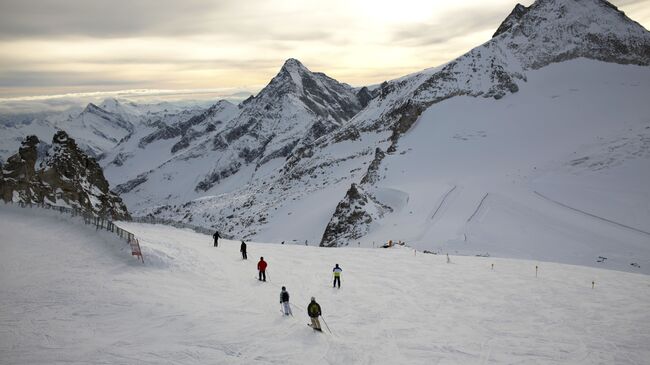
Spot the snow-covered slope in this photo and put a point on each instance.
(162, 137)
(589, 149)
(70, 294)
(12, 134)
(96, 129)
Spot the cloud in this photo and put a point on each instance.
(115, 18)
(63, 46)
(11, 78)
(628, 2)
(449, 25)
(256, 19)
(75, 102)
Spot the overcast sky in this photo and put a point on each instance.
(50, 47)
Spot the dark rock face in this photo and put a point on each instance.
(216, 176)
(184, 129)
(372, 174)
(364, 95)
(18, 172)
(62, 175)
(516, 14)
(352, 217)
(131, 184)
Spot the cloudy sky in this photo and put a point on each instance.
(51, 47)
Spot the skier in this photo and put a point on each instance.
(313, 310)
(337, 276)
(243, 250)
(284, 301)
(216, 238)
(261, 266)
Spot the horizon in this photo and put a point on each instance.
(120, 56)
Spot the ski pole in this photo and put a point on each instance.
(328, 327)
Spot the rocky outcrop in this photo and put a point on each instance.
(372, 174)
(512, 19)
(61, 175)
(364, 95)
(352, 217)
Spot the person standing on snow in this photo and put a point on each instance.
(261, 267)
(337, 275)
(216, 238)
(284, 300)
(313, 310)
(242, 249)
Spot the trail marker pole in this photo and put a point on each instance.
(448, 259)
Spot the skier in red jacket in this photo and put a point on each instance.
(261, 266)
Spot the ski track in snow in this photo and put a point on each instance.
(70, 294)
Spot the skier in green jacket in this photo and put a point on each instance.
(313, 309)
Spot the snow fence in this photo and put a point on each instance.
(103, 223)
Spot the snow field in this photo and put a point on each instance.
(71, 294)
(576, 132)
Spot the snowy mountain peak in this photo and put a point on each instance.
(551, 31)
(293, 64)
(110, 104)
(92, 108)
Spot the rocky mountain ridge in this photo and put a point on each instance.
(296, 108)
(59, 174)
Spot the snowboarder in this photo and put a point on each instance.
(216, 238)
(337, 276)
(284, 301)
(242, 249)
(313, 310)
(261, 266)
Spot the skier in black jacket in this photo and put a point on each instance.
(284, 301)
(216, 238)
(242, 249)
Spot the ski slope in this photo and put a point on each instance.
(69, 294)
(559, 171)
